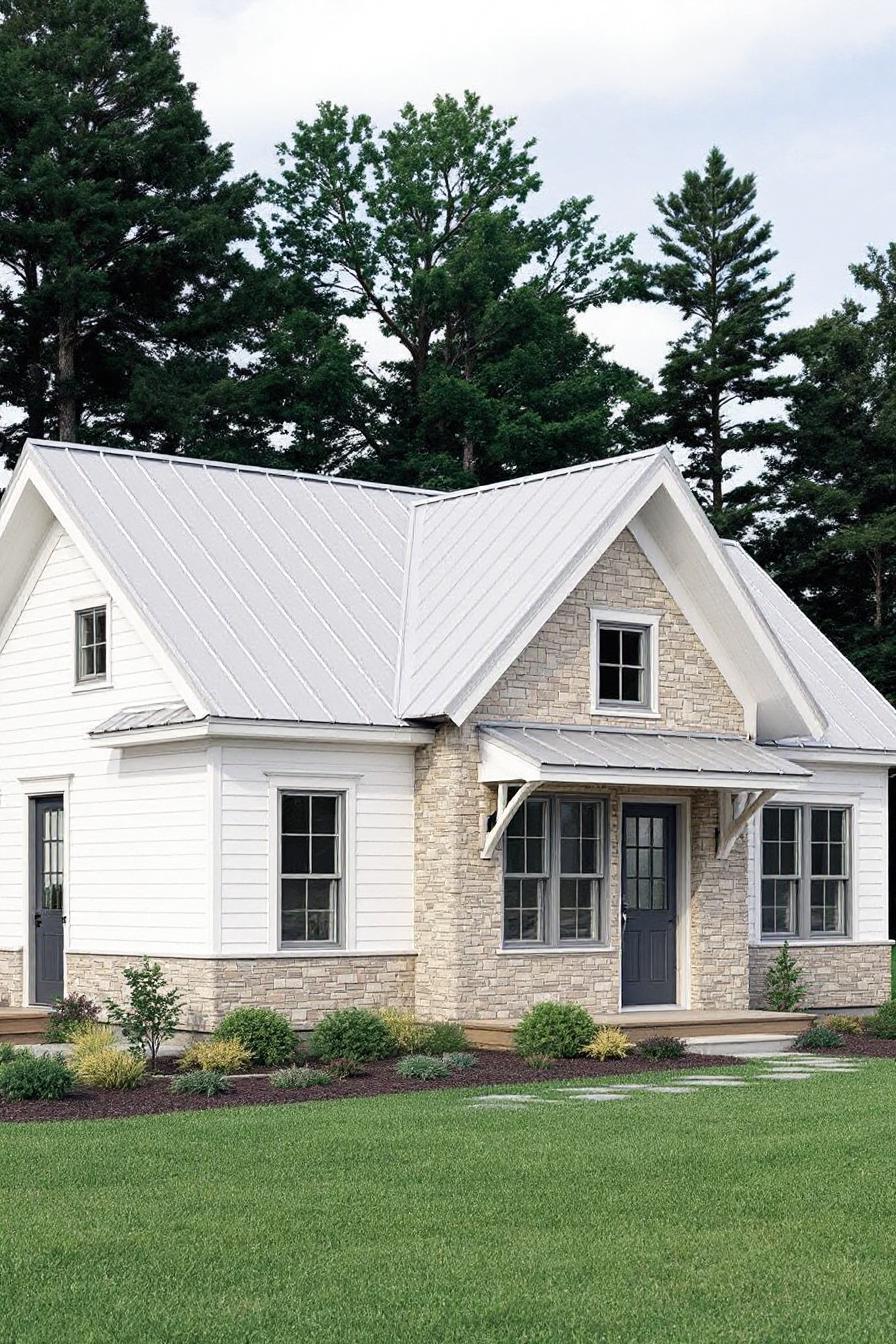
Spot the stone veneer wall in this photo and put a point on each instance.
(458, 908)
(304, 988)
(854, 975)
(10, 979)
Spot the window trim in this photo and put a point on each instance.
(549, 912)
(648, 622)
(803, 933)
(97, 680)
(307, 782)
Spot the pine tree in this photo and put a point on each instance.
(420, 227)
(118, 217)
(784, 985)
(716, 272)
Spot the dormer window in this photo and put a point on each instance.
(624, 658)
(91, 649)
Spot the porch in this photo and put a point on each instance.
(700, 1027)
(23, 1026)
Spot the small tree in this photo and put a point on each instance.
(784, 987)
(152, 1013)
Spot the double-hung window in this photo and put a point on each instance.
(624, 663)
(554, 866)
(805, 871)
(90, 645)
(311, 868)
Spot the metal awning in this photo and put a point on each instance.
(532, 755)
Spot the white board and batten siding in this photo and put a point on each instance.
(137, 822)
(862, 788)
(378, 783)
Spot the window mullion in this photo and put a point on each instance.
(805, 865)
(552, 884)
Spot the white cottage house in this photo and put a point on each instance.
(311, 742)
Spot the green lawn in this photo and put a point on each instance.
(763, 1214)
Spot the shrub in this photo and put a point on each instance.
(883, 1022)
(608, 1043)
(267, 1035)
(843, 1025)
(818, 1038)
(228, 1055)
(460, 1059)
(297, 1077)
(28, 1077)
(784, 988)
(423, 1067)
(151, 1013)
(352, 1033)
(345, 1067)
(87, 1039)
(561, 1030)
(442, 1038)
(67, 1014)
(539, 1062)
(407, 1031)
(111, 1070)
(7, 1052)
(662, 1047)
(200, 1083)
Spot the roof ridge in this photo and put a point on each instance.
(441, 497)
(220, 465)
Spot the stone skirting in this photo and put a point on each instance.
(10, 979)
(304, 988)
(854, 975)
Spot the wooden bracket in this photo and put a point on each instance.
(508, 806)
(735, 810)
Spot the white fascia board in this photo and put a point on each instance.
(679, 779)
(832, 756)
(476, 689)
(172, 667)
(217, 729)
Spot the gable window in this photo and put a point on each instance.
(311, 868)
(624, 662)
(91, 649)
(554, 873)
(805, 871)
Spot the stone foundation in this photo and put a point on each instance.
(303, 988)
(855, 975)
(10, 979)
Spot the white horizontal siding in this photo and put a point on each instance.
(137, 867)
(863, 788)
(381, 896)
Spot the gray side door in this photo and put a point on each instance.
(48, 897)
(649, 904)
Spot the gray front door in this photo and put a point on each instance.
(648, 904)
(47, 869)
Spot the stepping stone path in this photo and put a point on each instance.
(777, 1068)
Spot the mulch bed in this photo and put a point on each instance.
(872, 1047)
(492, 1067)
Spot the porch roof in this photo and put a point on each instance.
(575, 754)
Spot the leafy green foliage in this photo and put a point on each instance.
(715, 271)
(818, 1038)
(354, 1033)
(845, 1025)
(151, 1014)
(460, 1059)
(297, 1078)
(406, 1029)
(110, 1069)
(29, 1077)
(68, 1013)
(784, 987)
(426, 1068)
(662, 1047)
(883, 1023)
(200, 1083)
(7, 1052)
(266, 1034)
(345, 1066)
(558, 1030)
(440, 1038)
(227, 1055)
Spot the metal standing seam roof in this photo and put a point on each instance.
(153, 716)
(858, 716)
(575, 748)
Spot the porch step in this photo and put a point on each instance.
(23, 1026)
(699, 1023)
(768, 1044)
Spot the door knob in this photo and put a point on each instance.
(38, 919)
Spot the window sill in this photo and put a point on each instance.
(823, 940)
(303, 950)
(602, 948)
(80, 687)
(623, 712)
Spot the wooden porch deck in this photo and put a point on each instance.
(23, 1026)
(684, 1022)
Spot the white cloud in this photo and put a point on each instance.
(262, 64)
(639, 333)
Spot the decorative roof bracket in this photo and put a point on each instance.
(508, 806)
(735, 811)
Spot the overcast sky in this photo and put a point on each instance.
(622, 98)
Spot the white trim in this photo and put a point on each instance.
(347, 786)
(214, 764)
(29, 583)
(295, 954)
(213, 729)
(83, 605)
(35, 788)
(648, 621)
(601, 949)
